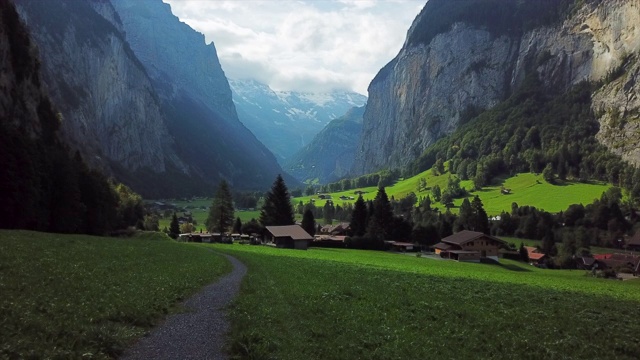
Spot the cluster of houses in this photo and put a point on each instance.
(468, 246)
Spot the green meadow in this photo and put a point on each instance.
(350, 304)
(79, 296)
(526, 189)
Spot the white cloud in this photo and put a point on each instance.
(302, 45)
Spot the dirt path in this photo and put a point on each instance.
(198, 333)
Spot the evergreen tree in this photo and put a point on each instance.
(277, 208)
(359, 218)
(237, 226)
(174, 227)
(221, 212)
(480, 221)
(328, 211)
(308, 222)
(524, 254)
(381, 223)
(465, 219)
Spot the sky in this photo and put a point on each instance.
(293, 45)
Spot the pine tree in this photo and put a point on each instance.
(359, 218)
(237, 227)
(308, 222)
(221, 213)
(465, 217)
(174, 227)
(381, 223)
(480, 219)
(277, 208)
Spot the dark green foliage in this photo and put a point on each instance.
(524, 254)
(381, 222)
(277, 208)
(174, 227)
(221, 212)
(308, 222)
(252, 227)
(237, 226)
(359, 218)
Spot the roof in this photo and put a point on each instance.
(466, 236)
(442, 246)
(464, 252)
(635, 239)
(588, 261)
(295, 232)
(533, 253)
(400, 243)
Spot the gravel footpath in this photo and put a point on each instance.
(198, 333)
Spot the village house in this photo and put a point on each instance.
(339, 229)
(535, 256)
(288, 236)
(469, 246)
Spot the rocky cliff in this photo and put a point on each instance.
(463, 57)
(195, 96)
(329, 156)
(143, 97)
(107, 102)
(285, 121)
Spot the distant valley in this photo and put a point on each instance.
(286, 121)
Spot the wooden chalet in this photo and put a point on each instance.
(535, 256)
(469, 246)
(289, 236)
(401, 246)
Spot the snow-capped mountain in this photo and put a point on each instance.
(285, 121)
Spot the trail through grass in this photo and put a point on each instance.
(73, 296)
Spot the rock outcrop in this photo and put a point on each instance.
(106, 100)
(447, 72)
(195, 96)
(143, 97)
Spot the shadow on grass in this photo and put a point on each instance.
(510, 267)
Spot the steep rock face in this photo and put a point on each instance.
(102, 91)
(195, 96)
(285, 121)
(460, 69)
(329, 156)
(615, 32)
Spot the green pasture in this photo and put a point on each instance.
(79, 296)
(350, 304)
(526, 189)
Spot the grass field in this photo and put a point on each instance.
(526, 189)
(76, 296)
(346, 304)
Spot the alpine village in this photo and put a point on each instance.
(482, 201)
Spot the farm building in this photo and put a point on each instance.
(289, 236)
(401, 246)
(469, 246)
(535, 256)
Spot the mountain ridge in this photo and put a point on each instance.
(285, 121)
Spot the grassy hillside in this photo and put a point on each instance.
(75, 296)
(526, 189)
(392, 306)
